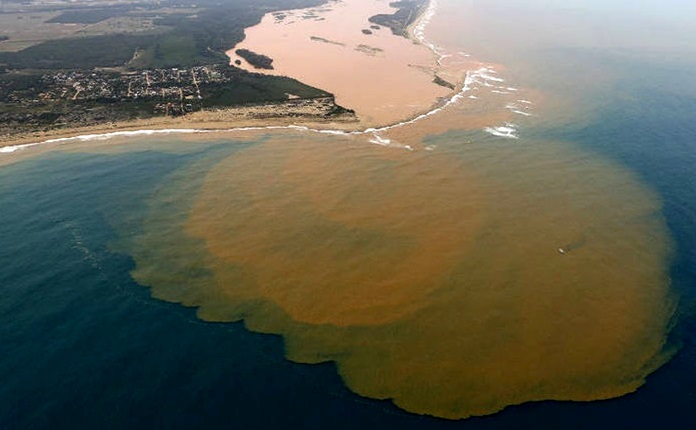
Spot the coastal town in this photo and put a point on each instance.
(176, 90)
(100, 96)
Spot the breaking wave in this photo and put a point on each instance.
(508, 130)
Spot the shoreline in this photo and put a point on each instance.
(416, 30)
(345, 125)
(227, 120)
(201, 122)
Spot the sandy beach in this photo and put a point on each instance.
(263, 115)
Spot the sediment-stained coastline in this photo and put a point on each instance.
(468, 74)
(455, 308)
(265, 116)
(277, 114)
(457, 67)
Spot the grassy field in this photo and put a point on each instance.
(27, 29)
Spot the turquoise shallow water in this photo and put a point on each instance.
(83, 345)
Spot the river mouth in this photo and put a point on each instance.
(451, 264)
(383, 77)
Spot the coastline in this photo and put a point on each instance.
(205, 121)
(416, 29)
(487, 313)
(233, 120)
(248, 117)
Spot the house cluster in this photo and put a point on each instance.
(173, 85)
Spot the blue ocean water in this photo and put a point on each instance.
(84, 346)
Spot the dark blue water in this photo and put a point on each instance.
(83, 346)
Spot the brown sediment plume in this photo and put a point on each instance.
(433, 279)
(372, 257)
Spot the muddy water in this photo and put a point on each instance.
(432, 278)
(481, 269)
(383, 77)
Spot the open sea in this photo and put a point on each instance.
(289, 279)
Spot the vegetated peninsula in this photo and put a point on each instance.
(65, 65)
(407, 13)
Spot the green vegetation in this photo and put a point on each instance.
(174, 50)
(252, 88)
(82, 53)
(258, 61)
(443, 83)
(398, 22)
(19, 83)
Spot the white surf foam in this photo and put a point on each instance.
(508, 130)
(418, 31)
(486, 75)
(515, 108)
(13, 148)
(129, 133)
(379, 140)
